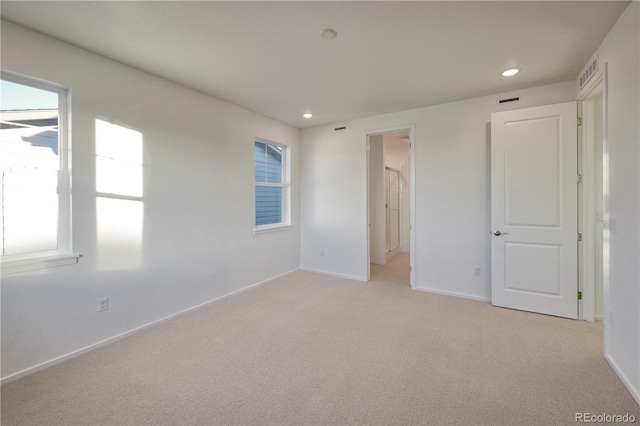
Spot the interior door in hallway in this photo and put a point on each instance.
(392, 204)
(534, 209)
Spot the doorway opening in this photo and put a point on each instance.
(389, 206)
(594, 250)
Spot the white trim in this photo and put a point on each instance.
(27, 264)
(264, 229)
(270, 184)
(63, 255)
(412, 207)
(89, 348)
(625, 380)
(285, 211)
(587, 194)
(367, 212)
(334, 274)
(452, 294)
(36, 83)
(587, 214)
(594, 81)
(412, 195)
(605, 206)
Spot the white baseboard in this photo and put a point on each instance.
(334, 274)
(599, 318)
(89, 348)
(452, 293)
(625, 380)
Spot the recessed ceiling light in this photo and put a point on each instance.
(307, 115)
(328, 34)
(510, 72)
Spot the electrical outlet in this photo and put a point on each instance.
(613, 224)
(477, 271)
(321, 252)
(103, 304)
(611, 318)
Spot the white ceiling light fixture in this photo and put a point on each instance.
(328, 34)
(307, 115)
(510, 72)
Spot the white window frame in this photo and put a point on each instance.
(63, 255)
(286, 190)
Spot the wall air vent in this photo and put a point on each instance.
(589, 72)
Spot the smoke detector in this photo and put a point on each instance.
(328, 34)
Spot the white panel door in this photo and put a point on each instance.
(393, 209)
(534, 209)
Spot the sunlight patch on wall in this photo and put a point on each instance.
(118, 160)
(119, 204)
(120, 224)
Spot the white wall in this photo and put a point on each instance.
(452, 190)
(196, 240)
(621, 52)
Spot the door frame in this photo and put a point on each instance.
(587, 214)
(412, 192)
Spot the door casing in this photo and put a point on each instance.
(597, 86)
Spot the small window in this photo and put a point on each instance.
(34, 169)
(271, 185)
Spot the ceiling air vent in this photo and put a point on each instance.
(589, 72)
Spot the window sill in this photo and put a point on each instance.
(271, 228)
(27, 264)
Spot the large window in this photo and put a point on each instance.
(34, 167)
(271, 185)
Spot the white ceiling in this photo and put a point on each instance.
(388, 56)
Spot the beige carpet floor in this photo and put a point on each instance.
(313, 349)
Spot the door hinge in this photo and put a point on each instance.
(579, 236)
(579, 121)
(410, 268)
(579, 178)
(579, 295)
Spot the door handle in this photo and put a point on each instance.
(498, 233)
